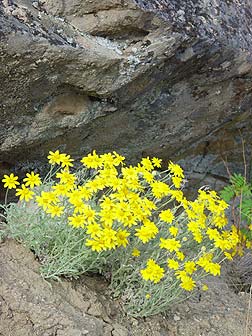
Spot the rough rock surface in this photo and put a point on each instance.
(31, 306)
(166, 78)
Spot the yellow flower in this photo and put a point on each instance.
(166, 216)
(94, 185)
(160, 189)
(148, 296)
(177, 181)
(31, 180)
(190, 267)
(148, 176)
(220, 221)
(205, 259)
(92, 160)
(173, 231)
(170, 244)
(95, 244)
(77, 221)
(10, 182)
(180, 255)
(193, 226)
(178, 195)
(106, 217)
(147, 164)
(147, 231)
(152, 272)
(172, 264)
(43, 200)
(187, 283)
(66, 160)
(107, 160)
(118, 159)
(61, 189)
(54, 157)
(228, 255)
(214, 269)
(24, 193)
(66, 177)
(122, 238)
(204, 287)
(213, 234)
(93, 230)
(74, 197)
(89, 214)
(176, 170)
(148, 205)
(136, 252)
(55, 210)
(85, 193)
(109, 237)
(156, 162)
(223, 244)
(198, 236)
(181, 274)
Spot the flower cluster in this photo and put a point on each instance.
(138, 209)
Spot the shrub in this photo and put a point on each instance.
(132, 223)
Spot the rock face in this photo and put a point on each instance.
(154, 77)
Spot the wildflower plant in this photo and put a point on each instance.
(131, 222)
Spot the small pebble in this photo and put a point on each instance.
(176, 318)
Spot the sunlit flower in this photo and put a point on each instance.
(122, 236)
(152, 272)
(66, 160)
(187, 283)
(190, 267)
(31, 180)
(176, 170)
(77, 221)
(172, 264)
(156, 162)
(92, 160)
(24, 193)
(136, 252)
(204, 287)
(10, 181)
(55, 210)
(170, 244)
(54, 157)
(166, 216)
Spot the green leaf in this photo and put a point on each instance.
(227, 193)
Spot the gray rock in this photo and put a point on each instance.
(164, 78)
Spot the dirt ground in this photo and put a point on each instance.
(31, 306)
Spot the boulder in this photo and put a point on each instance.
(164, 78)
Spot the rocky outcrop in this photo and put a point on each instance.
(165, 78)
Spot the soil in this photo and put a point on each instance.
(31, 306)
